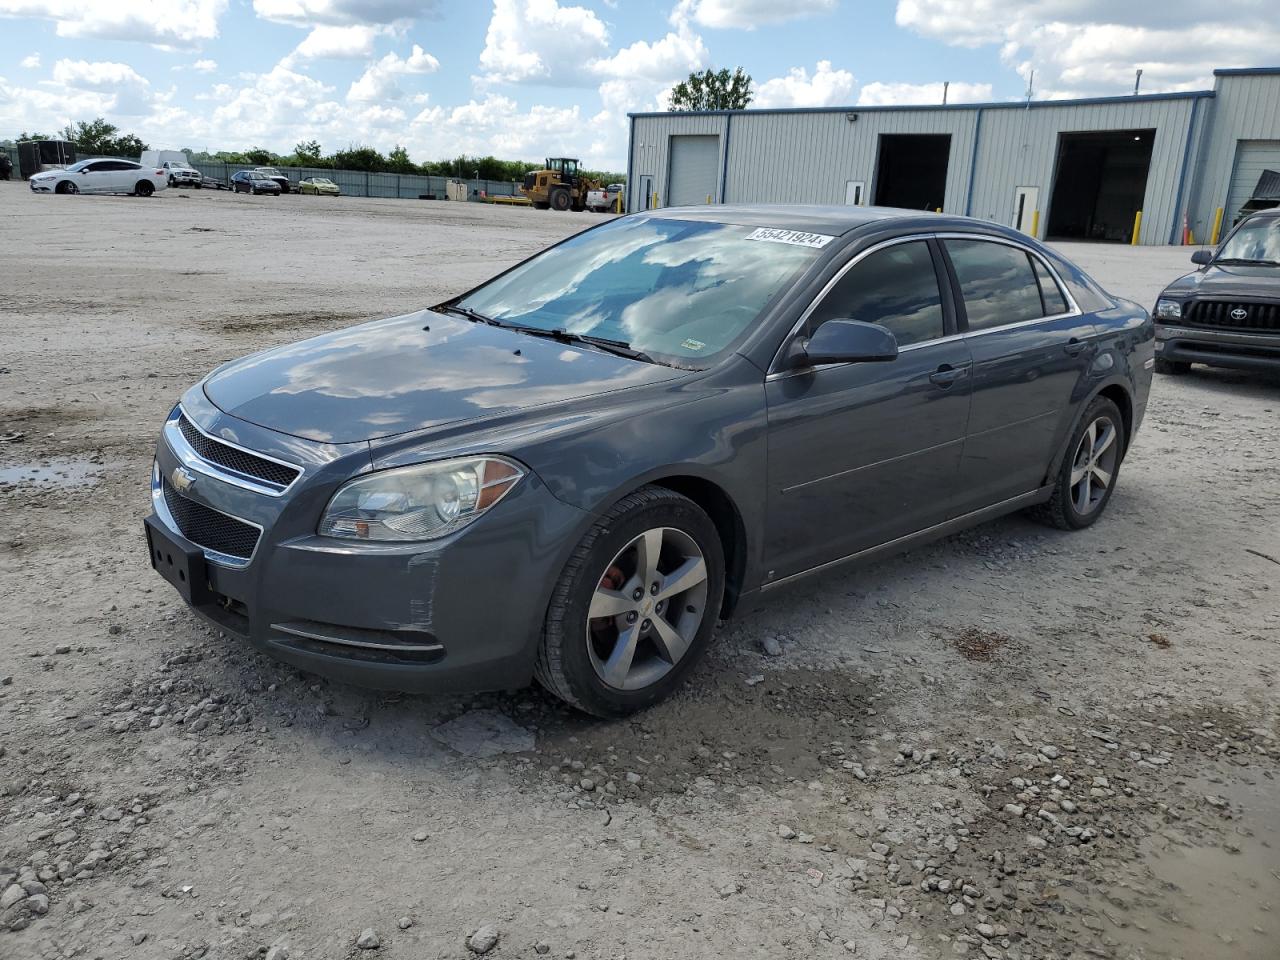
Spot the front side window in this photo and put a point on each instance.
(1255, 241)
(682, 291)
(896, 287)
(996, 283)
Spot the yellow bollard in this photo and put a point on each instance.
(1137, 228)
(617, 204)
(937, 209)
(1217, 227)
(708, 198)
(1035, 223)
(655, 201)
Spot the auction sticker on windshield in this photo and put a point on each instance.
(797, 238)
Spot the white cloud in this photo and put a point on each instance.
(379, 82)
(914, 94)
(125, 90)
(541, 41)
(663, 61)
(339, 12)
(351, 42)
(32, 61)
(749, 14)
(181, 23)
(825, 88)
(1093, 47)
(203, 66)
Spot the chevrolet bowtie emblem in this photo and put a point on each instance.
(182, 479)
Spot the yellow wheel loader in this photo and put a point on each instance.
(558, 186)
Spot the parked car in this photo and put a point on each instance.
(251, 181)
(574, 470)
(1227, 313)
(319, 185)
(212, 183)
(102, 176)
(275, 175)
(603, 201)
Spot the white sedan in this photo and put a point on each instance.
(101, 176)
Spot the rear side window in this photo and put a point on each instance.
(896, 287)
(996, 283)
(1050, 293)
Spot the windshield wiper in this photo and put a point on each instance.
(470, 314)
(617, 347)
(1248, 261)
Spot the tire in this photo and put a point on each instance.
(172, 182)
(1172, 368)
(540, 205)
(66, 186)
(145, 188)
(576, 653)
(560, 200)
(1067, 509)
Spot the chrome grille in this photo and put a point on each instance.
(235, 459)
(206, 527)
(1218, 313)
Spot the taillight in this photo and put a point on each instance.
(159, 173)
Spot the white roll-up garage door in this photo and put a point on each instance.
(694, 170)
(1252, 157)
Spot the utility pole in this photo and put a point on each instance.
(1031, 85)
(1137, 82)
(945, 85)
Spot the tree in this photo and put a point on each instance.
(33, 136)
(710, 90)
(359, 158)
(398, 161)
(308, 153)
(99, 137)
(261, 157)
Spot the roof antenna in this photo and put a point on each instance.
(945, 84)
(1137, 82)
(1031, 84)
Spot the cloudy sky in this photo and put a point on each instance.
(522, 79)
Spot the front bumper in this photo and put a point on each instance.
(463, 613)
(1217, 348)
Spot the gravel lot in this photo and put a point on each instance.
(1017, 743)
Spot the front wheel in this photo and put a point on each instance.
(1089, 472)
(1172, 368)
(66, 186)
(635, 606)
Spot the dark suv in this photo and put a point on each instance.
(1227, 313)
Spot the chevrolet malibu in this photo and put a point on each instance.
(575, 470)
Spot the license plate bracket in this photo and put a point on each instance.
(181, 563)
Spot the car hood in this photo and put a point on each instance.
(1226, 282)
(412, 373)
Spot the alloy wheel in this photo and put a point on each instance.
(647, 608)
(1094, 466)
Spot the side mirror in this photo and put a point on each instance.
(1202, 257)
(846, 341)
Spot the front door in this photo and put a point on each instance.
(94, 177)
(855, 193)
(864, 453)
(1031, 357)
(646, 192)
(1026, 205)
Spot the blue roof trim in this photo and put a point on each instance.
(999, 105)
(1245, 71)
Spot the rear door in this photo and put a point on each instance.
(863, 453)
(1032, 349)
(125, 176)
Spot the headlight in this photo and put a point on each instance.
(1169, 309)
(421, 502)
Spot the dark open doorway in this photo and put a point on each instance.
(912, 170)
(1100, 183)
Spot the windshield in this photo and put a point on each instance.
(269, 171)
(1256, 241)
(681, 291)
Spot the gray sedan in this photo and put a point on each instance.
(575, 470)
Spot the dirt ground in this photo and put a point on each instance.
(1017, 743)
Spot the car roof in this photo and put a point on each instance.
(834, 220)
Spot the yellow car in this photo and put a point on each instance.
(319, 185)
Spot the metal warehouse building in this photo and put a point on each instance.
(1061, 169)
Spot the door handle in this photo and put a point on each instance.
(1075, 346)
(946, 375)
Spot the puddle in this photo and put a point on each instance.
(1198, 902)
(57, 472)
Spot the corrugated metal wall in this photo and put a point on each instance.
(1247, 107)
(808, 156)
(358, 183)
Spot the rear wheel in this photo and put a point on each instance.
(1089, 471)
(635, 606)
(560, 200)
(1172, 368)
(145, 188)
